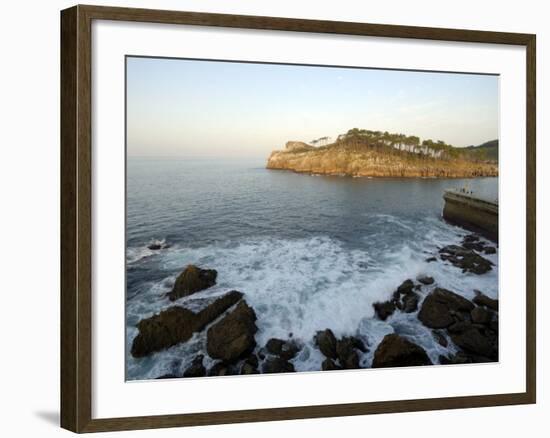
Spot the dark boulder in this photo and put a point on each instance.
(466, 259)
(222, 369)
(470, 238)
(384, 310)
(154, 246)
(329, 365)
(196, 369)
(248, 368)
(480, 315)
(489, 250)
(192, 279)
(233, 336)
(285, 349)
(406, 287)
(438, 309)
(426, 280)
(473, 340)
(483, 300)
(177, 324)
(440, 338)
(409, 303)
(396, 351)
(326, 342)
(431, 259)
(347, 356)
(277, 365)
(404, 298)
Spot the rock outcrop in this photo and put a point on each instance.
(396, 351)
(177, 324)
(192, 279)
(233, 336)
(374, 158)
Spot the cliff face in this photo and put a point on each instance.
(353, 160)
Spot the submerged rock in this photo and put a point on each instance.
(396, 351)
(440, 338)
(277, 365)
(177, 324)
(439, 308)
(466, 259)
(384, 310)
(196, 369)
(347, 356)
(192, 279)
(233, 337)
(425, 280)
(285, 349)
(326, 341)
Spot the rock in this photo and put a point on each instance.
(396, 351)
(329, 365)
(476, 246)
(358, 344)
(426, 280)
(437, 307)
(277, 365)
(233, 336)
(440, 338)
(347, 356)
(154, 246)
(248, 369)
(466, 259)
(326, 342)
(191, 280)
(483, 300)
(431, 259)
(406, 287)
(384, 310)
(404, 299)
(489, 250)
(222, 369)
(196, 369)
(168, 376)
(480, 315)
(471, 238)
(252, 360)
(410, 303)
(285, 349)
(474, 341)
(177, 324)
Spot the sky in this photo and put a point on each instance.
(178, 107)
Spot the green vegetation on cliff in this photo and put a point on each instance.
(361, 152)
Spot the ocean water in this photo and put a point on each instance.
(309, 252)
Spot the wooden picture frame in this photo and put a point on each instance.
(76, 217)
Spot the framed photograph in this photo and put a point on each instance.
(271, 218)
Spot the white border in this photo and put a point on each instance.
(113, 397)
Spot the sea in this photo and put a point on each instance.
(309, 252)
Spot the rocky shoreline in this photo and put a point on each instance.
(343, 159)
(228, 322)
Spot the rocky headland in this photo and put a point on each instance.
(466, 329)
(363, 153)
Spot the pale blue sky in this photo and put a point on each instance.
(203, 108)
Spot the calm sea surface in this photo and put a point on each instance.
(309, 252)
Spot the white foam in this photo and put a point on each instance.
(302, 286)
